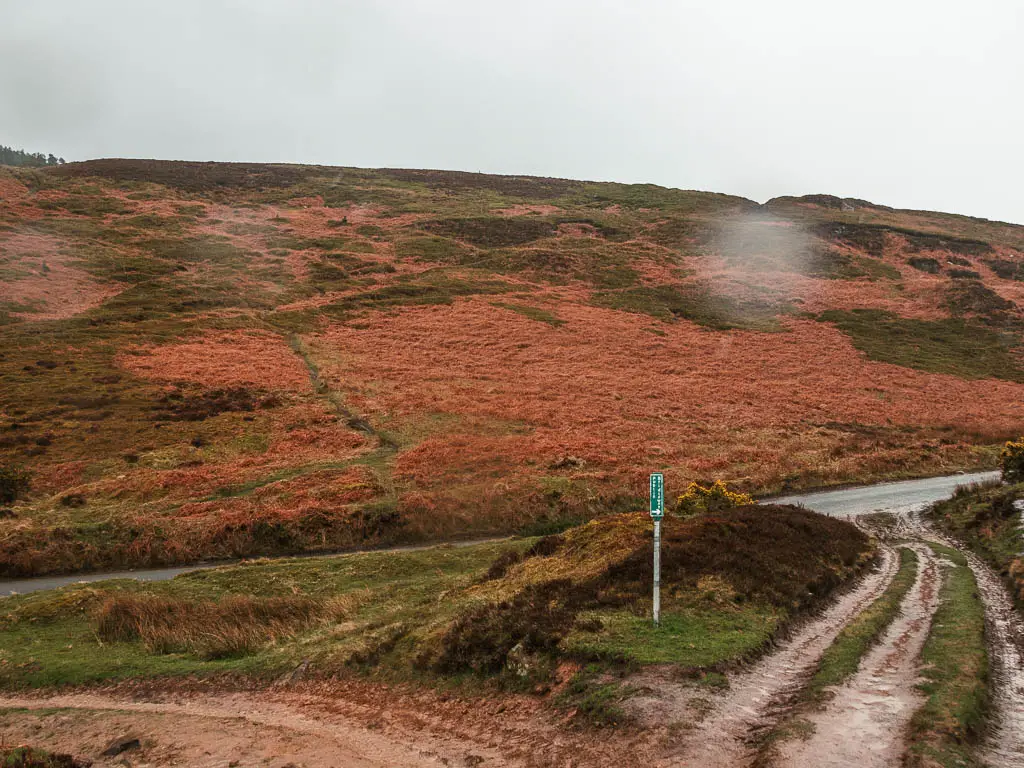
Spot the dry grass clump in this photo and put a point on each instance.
(234, 626)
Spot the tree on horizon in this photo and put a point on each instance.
(11, 156)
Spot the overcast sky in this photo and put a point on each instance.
(913, 103)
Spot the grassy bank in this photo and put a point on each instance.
(984, 518)
(508, 610)
(955, 670)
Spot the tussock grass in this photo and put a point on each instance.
(232, 626)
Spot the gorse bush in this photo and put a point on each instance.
(699, 499)
(1012, 461)
(14, 482)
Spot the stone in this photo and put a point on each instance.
(122, 744)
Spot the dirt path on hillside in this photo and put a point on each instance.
(755, 700)
(1004, 631)
(865, 723)
(346, 725)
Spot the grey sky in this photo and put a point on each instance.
(911, 103)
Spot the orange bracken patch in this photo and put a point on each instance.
(53, 290)
(224, 359)
(602, 388)
(523, 210)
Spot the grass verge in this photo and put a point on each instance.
(507, 612)
(843, 657)
(985, 519)
(955, 670)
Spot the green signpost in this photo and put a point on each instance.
(657, 512)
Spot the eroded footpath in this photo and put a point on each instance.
(865, 722)
(755, 700)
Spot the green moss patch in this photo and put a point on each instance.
(939, 346)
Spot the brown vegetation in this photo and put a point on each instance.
(224, 334)
(231, 626)
(783, 556)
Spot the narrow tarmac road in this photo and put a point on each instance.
(884, 497)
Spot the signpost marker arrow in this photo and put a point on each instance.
(657, 512)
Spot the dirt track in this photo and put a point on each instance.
(347, 725)
(864, 724)
(757, 697)
(1004, 630)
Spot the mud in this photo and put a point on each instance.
(866, 721)
(1003, 746)
(756, 699)
(350, 725)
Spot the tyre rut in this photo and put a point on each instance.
(756, 699)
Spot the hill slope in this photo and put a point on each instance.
(203, 360)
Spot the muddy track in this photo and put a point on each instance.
(865, 722)
(756, 699)
(208, 733)
(1004, 631)
(317, 725)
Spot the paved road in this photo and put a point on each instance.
(843, 503)
(35, 584)
(884, 496)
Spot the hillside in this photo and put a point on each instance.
(212, 360)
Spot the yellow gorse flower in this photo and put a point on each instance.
(1011, 458)
(699, 499)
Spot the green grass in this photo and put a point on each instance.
(955, 670)
(689, 302)
(594, 699)
(430, 288)
(30, 757)
(939, 346)
(442, 613)
(49, 638)
(693, 637)
(843, 657)
(430, 248)
(984, 518)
